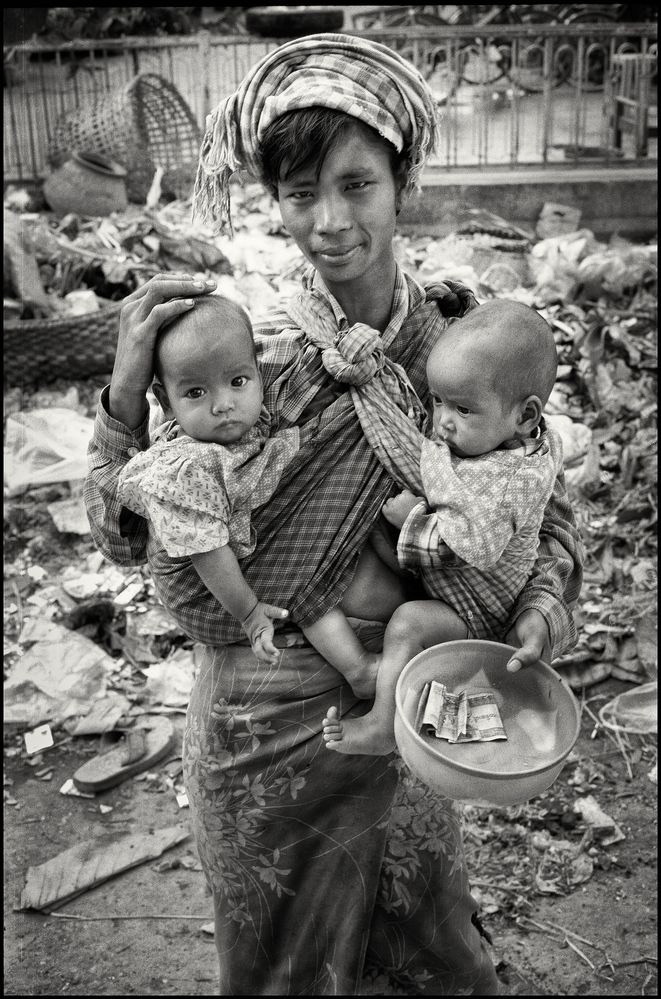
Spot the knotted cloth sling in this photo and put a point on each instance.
(362, 78)
(380, 389)
(391, 414)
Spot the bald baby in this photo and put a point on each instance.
(490, 376)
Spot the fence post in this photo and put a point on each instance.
(204, 92)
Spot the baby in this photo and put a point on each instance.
(215, 460)
(488, 471)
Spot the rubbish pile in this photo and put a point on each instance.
(89, 651)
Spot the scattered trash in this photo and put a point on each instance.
(69, 516)
(69, 789)
(60, 675)
(21, 271)
(155, 621)
(36, 572)
(169, 682)
(603, 826)
(128, 594)
(103, 716)
(38, 739)
(91, 862)
(81, 302)
(45, 446)
(556, 220)
(576, 438)
(633, 710)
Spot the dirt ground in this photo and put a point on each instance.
(144, 931)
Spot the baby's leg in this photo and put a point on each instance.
(375, 590)
(334, 638)
(413, 627)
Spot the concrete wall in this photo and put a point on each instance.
(617, 200)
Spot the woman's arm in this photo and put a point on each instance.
(120, 536)
(220, 572)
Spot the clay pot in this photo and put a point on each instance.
(87, 184)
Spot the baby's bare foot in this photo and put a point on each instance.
(332, 727)
(357, 736)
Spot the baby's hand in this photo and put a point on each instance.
(397, 509)
(258, 626)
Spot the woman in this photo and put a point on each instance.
(320, 867)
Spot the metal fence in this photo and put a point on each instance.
(508, 97)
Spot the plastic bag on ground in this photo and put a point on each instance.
(62, 674)
(633, 710)
(44, 446)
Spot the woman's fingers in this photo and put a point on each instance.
(143, 314)
(164, 288)
(159, 315)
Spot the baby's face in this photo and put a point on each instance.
(469, 415)
(213, 384)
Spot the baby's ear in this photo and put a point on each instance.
(530, 413)
(161, 395)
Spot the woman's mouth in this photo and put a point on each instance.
(336, 256)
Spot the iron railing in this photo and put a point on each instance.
(508, 96)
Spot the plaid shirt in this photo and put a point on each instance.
(311, 532)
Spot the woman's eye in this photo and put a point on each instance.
(358, 185)
(239, 381)
(300, 195)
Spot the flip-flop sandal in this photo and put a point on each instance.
(142, 747)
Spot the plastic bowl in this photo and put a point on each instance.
(540, 715)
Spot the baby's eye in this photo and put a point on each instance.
(463, 411)
(195, 393)
(239, 381)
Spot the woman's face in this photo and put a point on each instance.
(344, 220)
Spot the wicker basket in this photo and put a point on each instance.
(41, 350)
(145, 125)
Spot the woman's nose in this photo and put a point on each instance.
(331, 215)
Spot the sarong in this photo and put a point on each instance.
(320, 864)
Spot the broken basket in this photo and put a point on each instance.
(145, 125)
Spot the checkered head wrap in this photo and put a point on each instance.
(362, 78)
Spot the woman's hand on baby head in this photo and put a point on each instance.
(143, 314)
(259, 628)
(397, 508)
